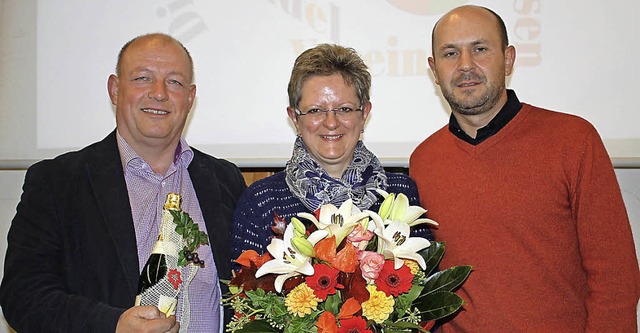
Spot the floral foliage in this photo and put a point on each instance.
(346, 271)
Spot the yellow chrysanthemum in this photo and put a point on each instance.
(301, 300)
(415, 268)
(379, 306)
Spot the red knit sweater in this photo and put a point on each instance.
(537, 210)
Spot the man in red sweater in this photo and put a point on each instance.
(525, 195)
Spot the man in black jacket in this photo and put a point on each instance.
(87, 220)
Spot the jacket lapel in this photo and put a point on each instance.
(107, 180)
(205, 183)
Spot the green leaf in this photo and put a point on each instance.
(447, 280)
(185, 218)
(182, 261)
(432, 256)
(332, 304)
(415, 291)
(403, 301)
(298, 324)
(204, 239)
(388, 329)
(373, 244)
(257, 326)
(438, 305)
(234, 289)
(180, 230)
(402, 326)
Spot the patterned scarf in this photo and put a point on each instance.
(310, 183)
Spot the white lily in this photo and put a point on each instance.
(337, 222)
(397, 208)
(394, 241)
(287, 261)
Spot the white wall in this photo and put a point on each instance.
(11, 183)
(573, 56)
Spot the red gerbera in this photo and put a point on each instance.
(353, 325)
(394, 282)
(324, 281)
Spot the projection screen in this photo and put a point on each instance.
(572, 56)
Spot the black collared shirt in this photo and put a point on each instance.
(508, 111)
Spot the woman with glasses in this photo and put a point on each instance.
(329, 105)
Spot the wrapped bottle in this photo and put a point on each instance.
(152, 289)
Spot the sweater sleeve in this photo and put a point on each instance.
(245, 221)
(605, 241)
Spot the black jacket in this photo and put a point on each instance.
(72, 263)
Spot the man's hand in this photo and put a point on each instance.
(146, 319)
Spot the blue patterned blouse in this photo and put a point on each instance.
(253, 217)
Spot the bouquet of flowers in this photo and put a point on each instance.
(350, 271)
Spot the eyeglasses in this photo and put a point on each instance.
(342, 113)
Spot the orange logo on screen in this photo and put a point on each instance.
(426, 7)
